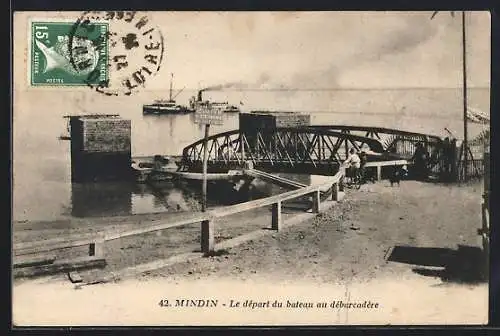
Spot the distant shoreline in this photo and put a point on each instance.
(243, 89)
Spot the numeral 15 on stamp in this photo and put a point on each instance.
(56, 59)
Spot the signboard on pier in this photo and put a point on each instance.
(208, 114)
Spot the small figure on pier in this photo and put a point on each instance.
(397, 174)
(363, 159)
(448, 153)
(352, 163)
(420, 159)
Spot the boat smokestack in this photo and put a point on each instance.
(200, 95)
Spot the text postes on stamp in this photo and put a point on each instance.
(51, 58)
(135, 45)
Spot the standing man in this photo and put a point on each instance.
(419, 159)
(353, 163)
(445, 159)
(363, 159)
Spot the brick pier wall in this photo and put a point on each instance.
(100, 149)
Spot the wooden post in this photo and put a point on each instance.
(97, 249)
(486, 201)
(454, 161)
(379, 173)
(486, 168)
(316, 208)
(207, 236)
(205, 164)
(276, 216)
(460, 163)
(464, 78)
(335, 192)
(242, 144)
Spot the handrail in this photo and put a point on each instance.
(374, 129)
(386, 163)
(53, 244)
(275, 178)
(232, 209)
(62, 243)
(195, 219)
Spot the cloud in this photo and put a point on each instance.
(324, 61)
(325, 50)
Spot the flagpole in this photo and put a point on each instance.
(464, 77)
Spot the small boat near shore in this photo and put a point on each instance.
(154, 168)
(164, 168)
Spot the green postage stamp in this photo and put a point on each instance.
(65, 54)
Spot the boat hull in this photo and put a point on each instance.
(151, 109)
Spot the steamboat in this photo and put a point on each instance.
(169, 106)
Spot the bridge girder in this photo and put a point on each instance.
(279, 149)
(393, 140)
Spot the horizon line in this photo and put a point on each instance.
(336, 89)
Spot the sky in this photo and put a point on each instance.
(307, 50)
(256, 50)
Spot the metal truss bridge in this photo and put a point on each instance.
(307, 149)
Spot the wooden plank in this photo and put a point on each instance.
(52, 244)
(42, 243)
(281, 181)
(386, 163)
(232, 209)
(190, 220)
(33, 261)
(198, 176)
(60, 266)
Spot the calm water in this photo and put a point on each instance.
(41, 162)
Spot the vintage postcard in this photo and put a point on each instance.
(250, 168)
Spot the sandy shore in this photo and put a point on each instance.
(399, 247)
(143, 248)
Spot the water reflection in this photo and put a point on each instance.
(101, 199)
(121, 199)
(124, 198)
